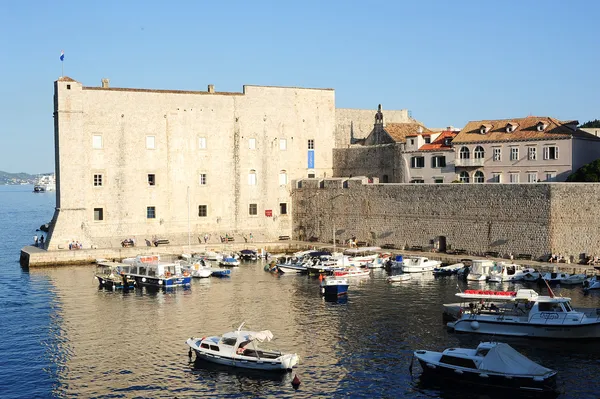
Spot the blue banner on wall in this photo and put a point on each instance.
(311, 159)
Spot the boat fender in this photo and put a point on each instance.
(475, 325)
(167, 274)
(159, 282)
(143, 279)
(296, 382)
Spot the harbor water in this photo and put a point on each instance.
(62, 336)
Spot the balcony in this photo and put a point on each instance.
(469, 162)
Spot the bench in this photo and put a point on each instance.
(282, 238)
(361, 243)
(313, 239)
(388, 246)
(417, 248)
(524, 256)
(492, 254)
(160, 241)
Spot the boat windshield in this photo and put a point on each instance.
(229, 341)
(458, 361)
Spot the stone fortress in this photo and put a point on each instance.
(278, 161)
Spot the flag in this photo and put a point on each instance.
(62, 55)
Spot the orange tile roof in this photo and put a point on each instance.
(438, 144)
(66, 79)
(399, 131)
(525, 130)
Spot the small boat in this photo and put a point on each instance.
(113, 275)
(352, 271)
(241, 348)
(45, 183)
(554, 277)
(419, 264)
(503, 272)
(448, 270)
(362, 255)
(248, 254)
(480, 270)
(229, 261)
(592, 283)
(398, 278)
(196, 266)
(291, 268)
(493, 364)
(334, 286)
(532, 277)
(220, 272)
(573, 279)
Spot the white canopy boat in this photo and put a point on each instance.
(492, 364)
(419, 264)
(531, 315)
(573, 279)
(480, 270)
(592, 283)
(399, 278)
(503, 272)
(448, 270)
(241, 348)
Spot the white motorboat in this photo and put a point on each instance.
(492, 364)
(241, 348)
(419, 264)
(554, 277)
(334, 286)
(532, 277)
(503, 272)
(480, 270)
(592, 283)
(531, 315)
(197, 266)
(213, 256)
(113, 275)
(399, 278)
(148, 270)
(229, 261)
(352, 271)
(292, 264)
(573, 279)
(362, 255)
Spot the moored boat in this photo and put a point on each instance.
(229, 261)
(241, 348)
(492, 364)
(524, 313)
(334, 286)
(352, 271)
(592, 283)
(573, 279)
(448, 270)
(419, 264)
(399, 278)
(113, 275)
(148, 270)
(480, 270)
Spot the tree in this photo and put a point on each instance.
(592, 124)
(587, 173)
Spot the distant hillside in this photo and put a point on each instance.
(17, 178)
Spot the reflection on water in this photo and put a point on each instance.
(64, 336)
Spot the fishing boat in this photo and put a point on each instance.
(196, 265)
(503, 272)
(241, 348)
(523, 313)
(148, 270)
(480, 270)
(493, 364)
(113, 275)
(334, 286)
(592, 283)
(352, 271)
(448, 270)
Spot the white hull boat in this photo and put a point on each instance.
(480, 270)
(492, 364)
(419, 264)
(505, 272)
(573, 279)
(242, 349)
(531, 315)
(592, 283)
(399, 278)
(229, 262)
(352, 271)
(292, 268)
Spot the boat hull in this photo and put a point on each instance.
(521, 328)
(291, 268)
(162, 282)
(464, 376)
(115, 284)
(334, 290)
(250, 363)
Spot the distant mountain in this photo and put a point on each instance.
(18, 178)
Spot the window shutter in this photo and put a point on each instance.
(556, 152)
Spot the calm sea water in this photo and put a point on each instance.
(61, 336)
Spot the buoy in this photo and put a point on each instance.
(296, 381)
(190, 354)
(320, 277)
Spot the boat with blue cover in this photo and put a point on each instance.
(333, 286)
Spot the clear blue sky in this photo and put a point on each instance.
(448, 62)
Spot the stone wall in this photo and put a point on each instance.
(360, 123)
(373, 161)
(535, 219)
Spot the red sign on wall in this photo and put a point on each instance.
(268, 212)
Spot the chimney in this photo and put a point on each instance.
(211, 89)
(105, 82)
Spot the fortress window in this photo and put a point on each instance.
(283, 208)
(514, 154)
(531, 153)
(464, 177)
(427, 139)
(531, 177)
(513, 177)
(151, 212)
(496, 177)
(282, 144)
(150, 142)
(311, 144)
(97, 180)
(202, 143)
(252, 178)
(202, 211)
(203, 179)
(550, 176)
(98, 214)
(417, 162)
(438, 180)
(97, 141)
(551, 152)
(252, 144)
(282, 177)
(68, 87)
(479, 153)
(151, 179)
(253, 209)
(478, 177)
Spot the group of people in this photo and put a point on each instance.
(557, 259)
(594, 260)
(38, 242)
(75, 245)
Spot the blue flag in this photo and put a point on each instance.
(62, 55)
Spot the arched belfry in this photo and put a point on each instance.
(379, 116)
